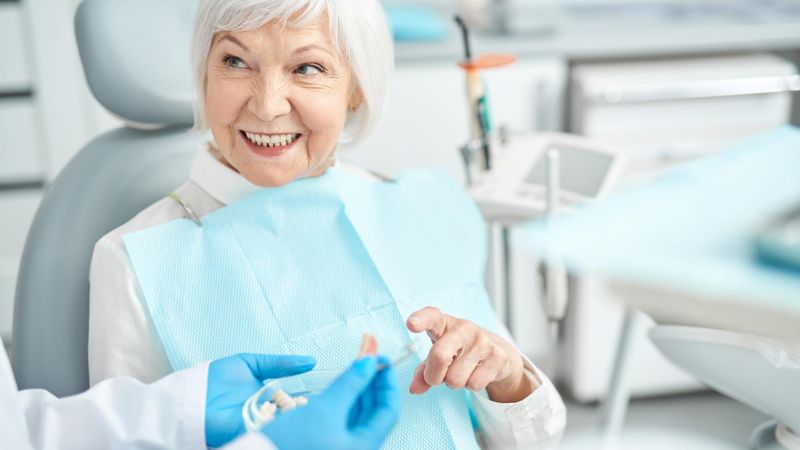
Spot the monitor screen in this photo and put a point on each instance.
(581, 171)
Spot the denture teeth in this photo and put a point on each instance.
(274, 140)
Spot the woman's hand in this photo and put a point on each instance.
(466, 355)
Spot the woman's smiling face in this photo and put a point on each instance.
(277, 99)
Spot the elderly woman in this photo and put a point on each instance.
(289, 251)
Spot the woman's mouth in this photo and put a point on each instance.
(273, 144)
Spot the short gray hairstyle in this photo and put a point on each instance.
(358, 29)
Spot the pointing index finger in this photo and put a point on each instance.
(428, 319)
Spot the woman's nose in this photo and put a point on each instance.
(270, 100)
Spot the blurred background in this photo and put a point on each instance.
(665, 81)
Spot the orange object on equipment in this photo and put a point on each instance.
(489, 61)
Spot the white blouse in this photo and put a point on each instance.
(123, 341)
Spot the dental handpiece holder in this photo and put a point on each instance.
(542, 176)
(473, 160)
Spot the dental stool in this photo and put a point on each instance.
(135, 56)
(759, 372)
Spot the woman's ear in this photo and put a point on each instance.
(356, 98)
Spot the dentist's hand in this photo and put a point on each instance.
(232, 380)
(356, 412)
(466, 355)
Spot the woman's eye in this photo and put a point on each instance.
(235, 62)
(309, 69)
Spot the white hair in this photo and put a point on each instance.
(358, 29)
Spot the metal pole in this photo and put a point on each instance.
(507, 298)
(615, 406)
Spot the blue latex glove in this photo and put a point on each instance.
(356, 412)
(232, 380)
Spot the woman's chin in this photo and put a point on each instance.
(271, 180)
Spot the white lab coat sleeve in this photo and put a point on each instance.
(251, 441)
(13, 429)
(535, 422)
(121, 413)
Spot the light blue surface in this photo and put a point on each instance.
(309, 267)
(691, 230)
(414, 23)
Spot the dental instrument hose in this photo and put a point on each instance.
(555, 273)
(477, 94)
(476, 98)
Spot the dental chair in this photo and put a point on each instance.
(760, 372)
(135, 56)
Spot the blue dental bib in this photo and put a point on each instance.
(309, 267)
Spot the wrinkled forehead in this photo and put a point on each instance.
(315, 32)
(302, 28)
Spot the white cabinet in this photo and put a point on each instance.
(659, 112)
(17, 209)
(60, 92)
(19, 150)
(20, 157)
(15, 73)
(46, 115)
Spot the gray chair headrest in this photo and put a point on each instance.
(135, 55)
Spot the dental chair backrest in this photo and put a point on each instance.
(135, 55)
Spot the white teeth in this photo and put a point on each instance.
(274, 140)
